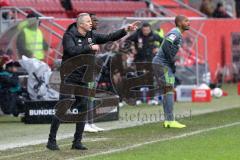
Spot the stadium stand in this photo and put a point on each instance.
(122, 9)
(53, 7)
(101, 8)
(177, 7)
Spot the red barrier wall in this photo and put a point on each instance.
(218, 32)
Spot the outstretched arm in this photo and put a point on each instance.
(103, 38)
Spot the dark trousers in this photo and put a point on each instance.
(81, 104)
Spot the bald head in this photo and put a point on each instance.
(182, 22)
(179, 19)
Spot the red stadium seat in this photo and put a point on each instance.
(105, 8)
(101, 8)
(167, 3)
(47, 7)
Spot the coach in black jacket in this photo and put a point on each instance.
(77, 40)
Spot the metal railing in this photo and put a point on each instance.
(190, 8)
(194, 33)
(20, 14)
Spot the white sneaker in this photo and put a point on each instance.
(88, 128)
(97, 128)
(120, 104)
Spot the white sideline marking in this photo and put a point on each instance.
(41, 150)
(11, 146)
(40, 141)
(130, 147)
(155, 141)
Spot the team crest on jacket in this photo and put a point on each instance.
(89, 40)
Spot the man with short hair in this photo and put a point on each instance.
(94, 21)
(164, 68)
(77, 40)
(90, 126)
(144, 41)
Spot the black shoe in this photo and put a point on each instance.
(15, 114)
(79, 146)
(52, 145)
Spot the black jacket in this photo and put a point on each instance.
(144, 45)
(75, 44)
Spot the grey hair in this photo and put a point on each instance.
(80, 18)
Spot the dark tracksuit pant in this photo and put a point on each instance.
(81, 104)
